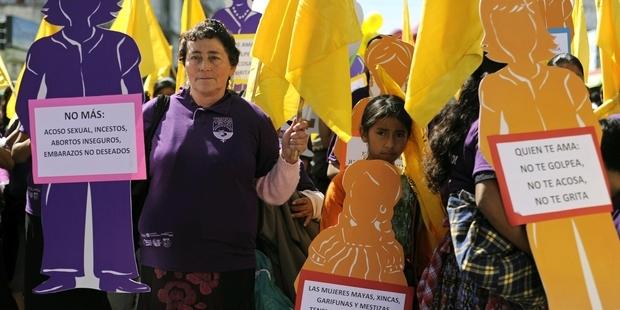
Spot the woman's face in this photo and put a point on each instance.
(207, 66)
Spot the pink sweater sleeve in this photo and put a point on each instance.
(278, 185)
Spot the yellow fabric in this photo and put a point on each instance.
(609, 44)
(136, 19)
(610, 106)
(407, 36)
(318, 66)
(579, 45)
(387, 84)
(268, 88)
(430, 204)
(5, 79)
(447, 51)
(191, 14)
(45, 29)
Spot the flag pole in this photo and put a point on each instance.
(299, 118)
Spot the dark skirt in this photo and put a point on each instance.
(172, 290)
(443, 286)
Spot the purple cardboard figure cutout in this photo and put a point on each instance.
(239, 17)
(84, 60)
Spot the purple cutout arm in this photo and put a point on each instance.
(131, 66)
(30, 85)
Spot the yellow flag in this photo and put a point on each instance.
(579, 46)
(407, 36)
(136, 19)
(609, 44)
(191, 14)
(387, 84)
(447, 51)
(318, 65)
(5, 79)
(45, 29)
(268, 88)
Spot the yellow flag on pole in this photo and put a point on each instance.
(191, 14)
(407, 36)
(609, 44)
(5, 79)
(137, 20)
(45, 29)
(268, 88)
(318, 65)
(579, 46)
(448, 49)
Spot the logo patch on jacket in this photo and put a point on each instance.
(223, 128)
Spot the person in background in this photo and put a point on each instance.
(567, 61)
(5, 119)
(164, 86)
(7, 300)
(455, 168)
(610, 149)
(213, 155)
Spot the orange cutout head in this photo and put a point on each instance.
(531, 43)
(393, 55)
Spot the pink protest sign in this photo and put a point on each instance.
(87, 139)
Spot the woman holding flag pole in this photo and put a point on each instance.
(213, 154)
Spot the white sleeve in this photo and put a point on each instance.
(316, 198)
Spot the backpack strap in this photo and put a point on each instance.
(161, 106)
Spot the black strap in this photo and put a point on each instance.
(140, 188)
(161, 106)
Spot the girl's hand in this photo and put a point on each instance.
(302, 208)
(294, 141)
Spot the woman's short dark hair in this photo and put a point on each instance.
(163, 83)
(610, 143)
(105, 12)
(384, 106)
(566, 59)
(209, 29)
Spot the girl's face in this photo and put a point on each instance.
(386, 139)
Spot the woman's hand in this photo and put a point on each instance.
(294, 141)
(489, 202)
(302, 208)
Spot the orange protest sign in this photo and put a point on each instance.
(576, 256)
(362, 244)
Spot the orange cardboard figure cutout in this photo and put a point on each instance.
(362, 245)
(577, 257)
(557, 14)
